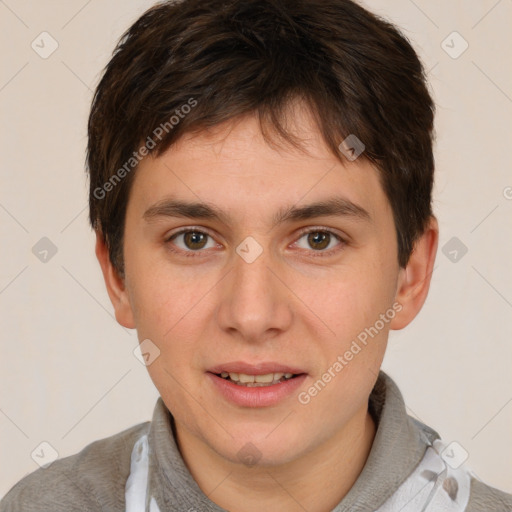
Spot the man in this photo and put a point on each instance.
(260, 185)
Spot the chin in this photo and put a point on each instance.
(273, 448)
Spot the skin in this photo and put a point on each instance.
(290, 305)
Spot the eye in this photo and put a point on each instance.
(320, 239)
(192, 240)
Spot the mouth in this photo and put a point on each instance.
(263, 385)
(254, 381)
(263, 374)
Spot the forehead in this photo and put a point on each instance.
(232, 167)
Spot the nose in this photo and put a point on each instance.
(255, 303)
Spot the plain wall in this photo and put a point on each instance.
(68, 373)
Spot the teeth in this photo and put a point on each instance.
(269, 377)
(255, 380)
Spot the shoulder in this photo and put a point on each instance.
(479, 496)
(93, 479)
(483, 497)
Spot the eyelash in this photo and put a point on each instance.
(321, 253)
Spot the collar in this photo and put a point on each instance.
(399, 445)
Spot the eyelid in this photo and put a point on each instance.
(186, 229)
(322, 229)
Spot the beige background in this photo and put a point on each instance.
(68, 373)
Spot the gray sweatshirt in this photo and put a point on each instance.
(404, 472)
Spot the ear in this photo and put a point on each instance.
(115, 285)
(414, 280)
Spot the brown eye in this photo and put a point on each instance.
(321, 241)
(195, 239)
(190, 240)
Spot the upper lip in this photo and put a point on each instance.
(262, 368)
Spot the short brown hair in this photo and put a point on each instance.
(227, 58)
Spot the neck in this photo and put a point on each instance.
(317, 481)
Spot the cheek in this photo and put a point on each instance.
(352, 306)
(158, 293)
(168, 311)
(349, 299)
(171, 307)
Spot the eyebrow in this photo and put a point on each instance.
(334, 206)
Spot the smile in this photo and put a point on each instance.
(268, 379)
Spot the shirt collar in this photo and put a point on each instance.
(399, 445)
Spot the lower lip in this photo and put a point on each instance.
(261, 396)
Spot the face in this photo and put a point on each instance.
(246, 285)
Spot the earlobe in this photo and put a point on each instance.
(115, 285)
(414, 280)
